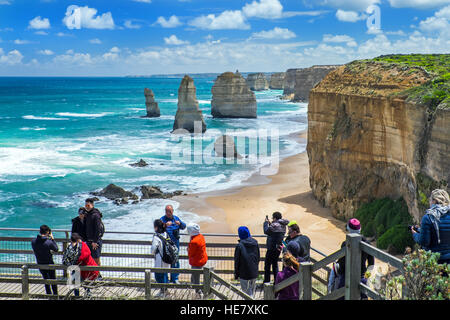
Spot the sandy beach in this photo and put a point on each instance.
(288, 191)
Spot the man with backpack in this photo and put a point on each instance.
(94, 229)
(173, 226)
(165, 251)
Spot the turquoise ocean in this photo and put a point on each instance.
(61, 138)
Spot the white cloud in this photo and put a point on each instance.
(267, 9)
(46, 52)
(275, 33)
(13, 57)
(95, 41)
(21, 41)
(349, 16)
(5, 2)
(348, 5)
(440, 22)
(41, 33)
(172, 22)
(39, 23)
(173, 40)
(129, 25)
(421, 4)
(226, 20)
(73, 58)
(349, 41)
(85, 17)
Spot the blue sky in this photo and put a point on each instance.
(127, 37)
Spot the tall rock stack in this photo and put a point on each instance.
(289, 84)
(257, 81)
(306, 79)
(188, 112)
(231, 97)
(152, 106)
(277, 81)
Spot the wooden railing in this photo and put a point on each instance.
(353, 286)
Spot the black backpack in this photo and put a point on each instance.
(170, 250)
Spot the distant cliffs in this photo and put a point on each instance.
(188, 113)
(257, 81)
(231, 97)
(277, 81)
(368, 139)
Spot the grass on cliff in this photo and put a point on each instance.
(435, 93)
(387, 220)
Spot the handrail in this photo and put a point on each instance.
(230, 286)
(381, 255)
(330, 259)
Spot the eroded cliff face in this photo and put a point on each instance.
(306, 79)
(277, 81)
(289, 83)
(367, 141)
(257, 81)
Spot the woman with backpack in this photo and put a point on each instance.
(159, 243)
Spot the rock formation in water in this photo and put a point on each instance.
(231, 97)
(140, 164)
(113, 192)
(306, 79)
(154, 192)
(289, 84)
(371, 136)
(225, 147)
(257, 81)
(152, 106)
(188, 114)
(277, 81)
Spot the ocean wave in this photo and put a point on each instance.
(31, 117)
(82, 115)
(32, 129)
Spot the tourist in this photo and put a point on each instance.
(78, 253)
(157, 250)
(367, 261)
(196, 252)
(173, 227)
(434, 232)
(246, 261)
(94, 229)
(303, 241)
(294, 248)
(275, 232)
(79, 224)
(290, 268)
(43, 246)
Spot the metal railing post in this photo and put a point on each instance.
(148, 284)
(269, 291)
(25, 283)
(353, 267)
(207, 281)
(306, 278)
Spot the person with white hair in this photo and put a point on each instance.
(196, 251)
(434, 232)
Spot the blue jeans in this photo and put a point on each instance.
(161, 277)
(174, 276)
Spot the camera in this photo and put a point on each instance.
(415, 228)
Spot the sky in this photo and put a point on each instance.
(144, 37)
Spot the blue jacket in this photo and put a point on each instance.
(427, 238)
(42, 247)
(174, 230)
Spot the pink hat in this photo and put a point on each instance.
(354, 225)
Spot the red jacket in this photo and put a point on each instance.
(87, 260)
(197, 251)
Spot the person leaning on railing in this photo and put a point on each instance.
(434, 232)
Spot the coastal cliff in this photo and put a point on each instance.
(257, 81)
(188, 114)
(277, 81)
(289, 84)
(306, 79)
(380, 128)
(231, 97)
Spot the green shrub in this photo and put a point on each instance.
(388, 221)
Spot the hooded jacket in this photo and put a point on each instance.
(79, 227)
(435, 240)
(275, 232)
(290, 292)
(246, 259)
(197, 251)
(87, 260)
(42, 248)
(94, 225)
(304, 244)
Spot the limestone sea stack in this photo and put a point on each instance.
(306, 79)
(257, 81)
(289, 84)
(231, 97)
(277, 81)
(188, 114)
(152, 106)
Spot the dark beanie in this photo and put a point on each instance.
(244, 233)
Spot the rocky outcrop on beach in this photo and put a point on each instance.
(306, 79)
(113, 192)
(152, 106)
(140, 164)
(225, 147)
(154, 192)
(370, 138)
(188, 114)
(231, 97)
(257, 81)
(277, 81)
